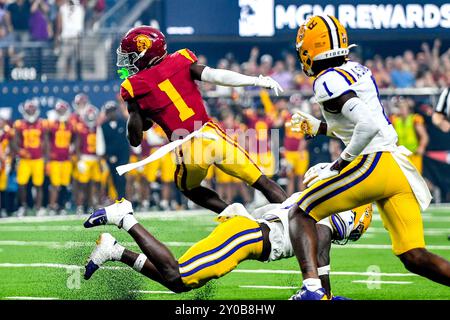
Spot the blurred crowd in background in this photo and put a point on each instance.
(45, 20)
(429, 67)
(62, 160)
(59, 159)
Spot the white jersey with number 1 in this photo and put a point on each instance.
(352, 76)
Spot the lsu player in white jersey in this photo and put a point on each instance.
(262, 235)
(371, 168)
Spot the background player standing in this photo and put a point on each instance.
(30, 142)
(61, 136)
(161, 88)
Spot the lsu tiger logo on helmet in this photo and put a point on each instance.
(319, 38)
(363, 218)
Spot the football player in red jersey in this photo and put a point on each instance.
(79, 104)
(6, 158)
(88, 165)
(161, 87)
(61, 136)
(30, 142)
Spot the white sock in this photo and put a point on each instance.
(139, 263)
(128, 222)
(117, 252)
(312, 284)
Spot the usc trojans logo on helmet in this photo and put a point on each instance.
(320, 38)
(143, 42)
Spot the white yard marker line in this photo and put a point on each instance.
(31, 298)
(255, 271)
(383, 246)
(53, 266)
(152, 292)
(269, 287)
(427, 231)
(161, 215)
(333, 273)
(170, 215)
(74, 244)
(381, 282)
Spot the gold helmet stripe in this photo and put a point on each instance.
(337, 31)
(330, 39)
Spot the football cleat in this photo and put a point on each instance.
(102, 253)
(305, 294)
(112, 214)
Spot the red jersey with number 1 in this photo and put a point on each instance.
(168, 95)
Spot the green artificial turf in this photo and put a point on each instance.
(42, 259)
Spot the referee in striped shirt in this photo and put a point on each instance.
(441, 114)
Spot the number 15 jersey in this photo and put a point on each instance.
(168, 95)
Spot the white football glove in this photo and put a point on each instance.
(268, 83)
(320, 171)
(305, 123)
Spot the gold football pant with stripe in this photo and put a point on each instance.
(231, 242)
(374, 177)
(196, 156)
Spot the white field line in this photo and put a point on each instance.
(381, 282)
(152, 292)
(254, 271)
(65, 228)
(269, 287)
(75, 244)
(160, 215)
(427, 231)
(31, 298)
(172, 215)
(333, 273)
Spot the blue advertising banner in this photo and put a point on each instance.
(270, 18)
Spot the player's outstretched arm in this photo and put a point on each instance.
(229, 78)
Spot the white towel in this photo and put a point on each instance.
(162, 151)
(415, 180)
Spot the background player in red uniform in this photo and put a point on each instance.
(61, 136)
(161, 87)
(6, 157)
(88, 166)
(30, 142)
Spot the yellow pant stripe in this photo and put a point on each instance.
(361, 176)
(220, 253)
(345, 178)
